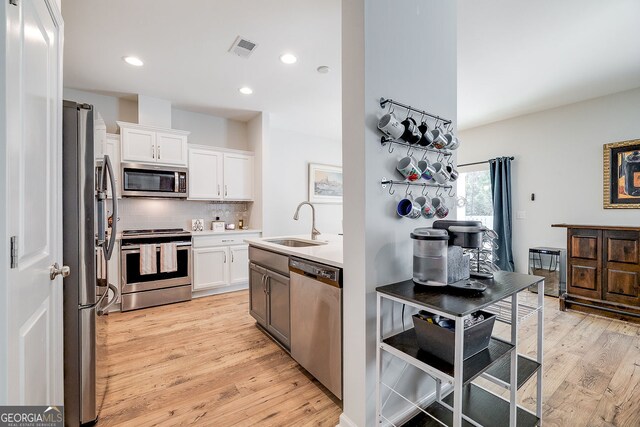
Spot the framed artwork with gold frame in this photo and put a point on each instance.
(621, 175)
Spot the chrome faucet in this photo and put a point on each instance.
(314, 230)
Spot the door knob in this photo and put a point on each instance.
(56, 270)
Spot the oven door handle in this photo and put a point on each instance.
(136, 248)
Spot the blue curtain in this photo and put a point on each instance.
(500, 169)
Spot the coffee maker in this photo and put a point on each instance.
(477, 241)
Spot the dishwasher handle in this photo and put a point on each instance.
(323, 273)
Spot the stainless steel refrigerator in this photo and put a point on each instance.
(87, 247)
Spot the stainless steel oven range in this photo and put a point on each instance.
(147, 290)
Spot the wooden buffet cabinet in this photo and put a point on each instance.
(603, 270)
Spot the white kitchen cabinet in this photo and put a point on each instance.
(220, 260)
(205, 174)
(238, 176)
(148, 144)
(220, 175)
(112, 149)
(138, 145)
(171, 148)
(210, 267)
(239, 266)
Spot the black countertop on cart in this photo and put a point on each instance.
(447, 300)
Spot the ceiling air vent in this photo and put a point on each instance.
(243, 47)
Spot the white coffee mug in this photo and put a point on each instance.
(440, 174)
(439, 141)
(408, 208)
(408, 167)
(426, 208)
(391, 126)
(441, 210)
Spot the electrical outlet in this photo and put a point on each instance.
(521, 215)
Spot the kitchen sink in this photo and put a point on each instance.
(295, 243)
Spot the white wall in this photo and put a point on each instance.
(558, 156)
(405, 50)
(258, 138)
(205, 129)
(288, 183)
(111, 108)
(211, 130)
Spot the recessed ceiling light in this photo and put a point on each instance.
(133, 60)
(323, 69)
(288, 58)
(246, 90)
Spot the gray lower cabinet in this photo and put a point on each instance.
(269, 300)
(258, 294)
(278, 320)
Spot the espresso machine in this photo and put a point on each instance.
(477, 241)
(451, 252)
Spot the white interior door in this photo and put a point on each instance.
(34, 202)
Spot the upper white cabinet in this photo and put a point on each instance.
(238, 176)
(171, 148)
(147, 144)
(205, 174)
(112, 149)
(216, 175)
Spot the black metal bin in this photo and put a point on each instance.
(440, 342)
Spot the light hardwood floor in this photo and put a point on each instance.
(205, 363)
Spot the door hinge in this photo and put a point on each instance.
(13, 2)
(14, 251)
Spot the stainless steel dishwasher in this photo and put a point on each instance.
(316, 321)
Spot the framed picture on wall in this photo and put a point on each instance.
(621, 175)
(325, 183)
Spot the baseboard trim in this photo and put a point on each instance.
(222, 290)
(345, 421)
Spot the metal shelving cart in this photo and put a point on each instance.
(458, 400)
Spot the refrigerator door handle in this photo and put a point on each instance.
(116, 294)
(114, 206)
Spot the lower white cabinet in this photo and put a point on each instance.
(220, 260)
(239, 266)
(210, 268)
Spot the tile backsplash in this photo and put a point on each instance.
(160, 213)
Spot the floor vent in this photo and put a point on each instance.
(243, 47)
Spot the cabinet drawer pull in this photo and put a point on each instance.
(158, 152)
(225, 257)
(231, 256)
(225, 189)
(218, 189)
(153, 152)
(228, 240)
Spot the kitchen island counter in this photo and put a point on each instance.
(330, 252)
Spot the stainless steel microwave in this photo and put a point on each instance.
(140, 180)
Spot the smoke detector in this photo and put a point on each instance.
(243, 47)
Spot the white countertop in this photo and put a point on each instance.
(329, 253)
(222, 233)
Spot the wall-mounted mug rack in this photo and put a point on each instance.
(424, 185)
(384, 102)
(384, 140)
